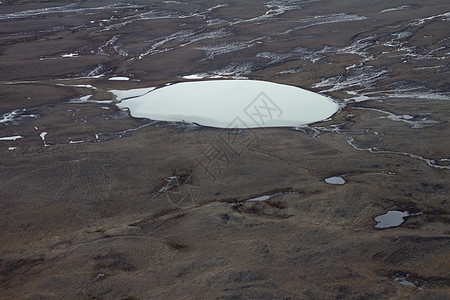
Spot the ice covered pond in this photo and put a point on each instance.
(392, 218)
(335, 180)
(230, 103)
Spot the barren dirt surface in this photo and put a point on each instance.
(96, 204)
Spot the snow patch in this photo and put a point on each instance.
(11, 138)
(119, 78)
(335, 180)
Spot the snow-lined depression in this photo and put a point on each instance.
(231, 104)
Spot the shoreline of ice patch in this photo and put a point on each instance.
(16, 116)
(128, 94)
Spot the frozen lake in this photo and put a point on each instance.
(232, 103)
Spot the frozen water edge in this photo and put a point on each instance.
(232, 71)
(430, 162)
(236, 103)
(86, 99)
(16, 116)
(262, 198)
(415, 123)
(403, 280)
(128, 94)
(403, 7)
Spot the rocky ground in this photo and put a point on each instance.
(95, 204)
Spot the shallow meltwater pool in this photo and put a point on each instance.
(231, 104)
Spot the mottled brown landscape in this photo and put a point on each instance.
(97, 204)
